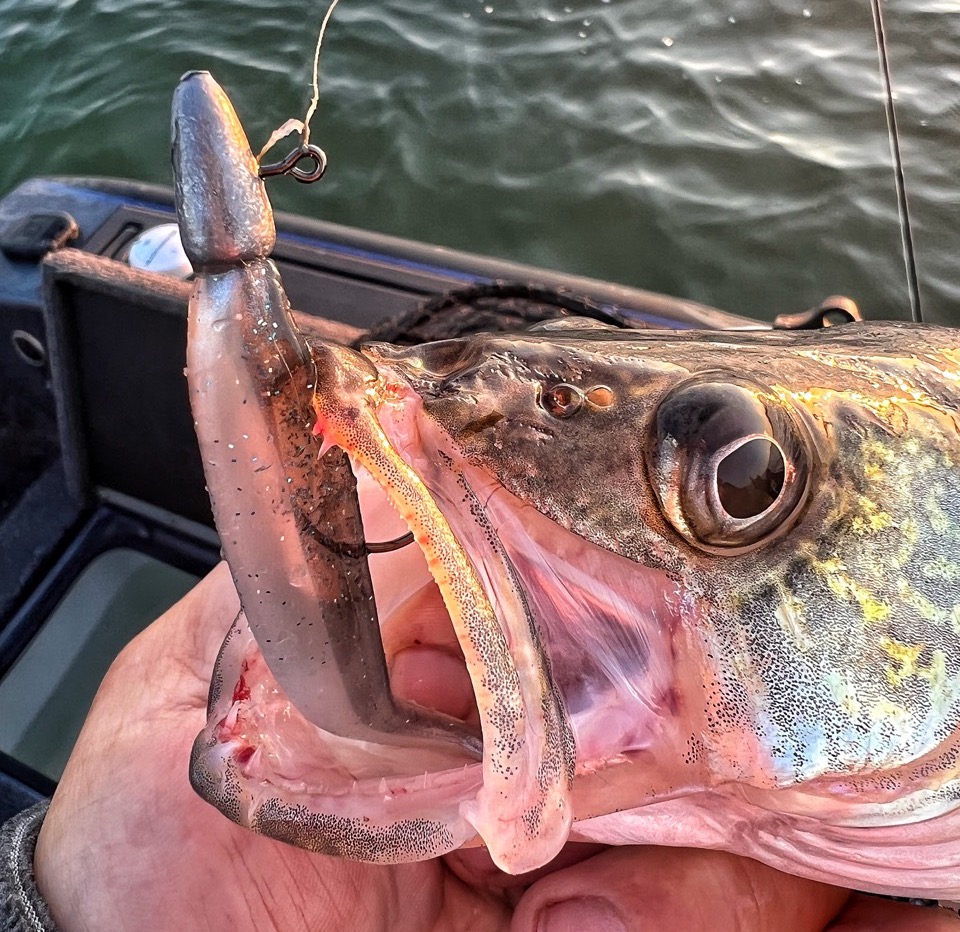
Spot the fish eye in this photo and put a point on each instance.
(730, 463)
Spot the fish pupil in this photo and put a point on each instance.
(750, 478)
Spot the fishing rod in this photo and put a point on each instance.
(893, 133)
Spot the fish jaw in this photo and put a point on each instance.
(523, 810)
(607, 630)
(269, 769)
(521, 807)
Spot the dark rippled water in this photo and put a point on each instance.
(731, 151)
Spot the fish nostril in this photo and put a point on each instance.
(562, 400)
(601, 397)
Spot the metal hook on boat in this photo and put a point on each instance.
(831, 312)
(290, 165)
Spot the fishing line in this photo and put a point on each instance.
(906, 231)
(306, 150)
(312, 109)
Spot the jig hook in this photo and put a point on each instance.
(387, 546)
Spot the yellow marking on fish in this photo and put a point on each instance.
(910, 393)
(844, 587)
(904, 656)
(947, 372)
(875, 611)
(890, 410)
(884, 408)
(870, 519)
(877, 452)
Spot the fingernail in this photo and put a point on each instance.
(578, 915)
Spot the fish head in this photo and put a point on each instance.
(710, 575)
(739, 554)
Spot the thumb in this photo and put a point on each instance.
(675, 890)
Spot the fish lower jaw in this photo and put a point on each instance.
(271, 770)
(261, 750)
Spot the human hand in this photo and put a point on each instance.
(128, 845)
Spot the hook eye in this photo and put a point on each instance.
(290, 165)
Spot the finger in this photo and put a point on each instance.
(475, 867)
(674, 890)
(874, 914)
(424, 658)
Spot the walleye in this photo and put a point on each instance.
(705, 586)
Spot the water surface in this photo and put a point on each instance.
(730, 151)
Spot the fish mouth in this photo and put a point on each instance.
(305, 741)
(267, 765)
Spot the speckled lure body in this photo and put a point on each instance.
(706, 586)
